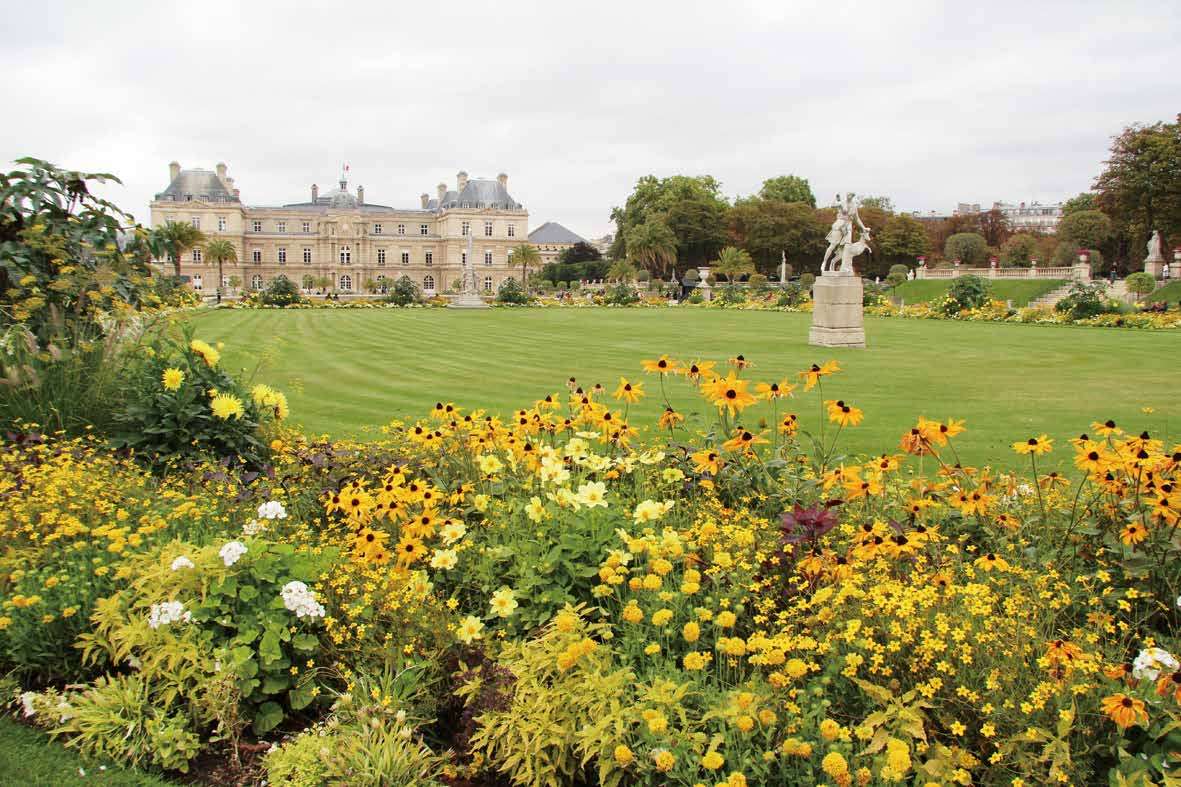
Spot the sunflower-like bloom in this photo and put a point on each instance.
(1125, 711)
(707, 461)
(1034, 445)
(670, 418)
(774, 390)
(629, 392)
(729, 393)
(743, 441)
(225, 406)
(207, 353)
(172, 378)
(812, 376)
(840, 412)
(662, 365)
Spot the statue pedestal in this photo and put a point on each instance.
(838, 317)
(1155, 267)
(467, 300)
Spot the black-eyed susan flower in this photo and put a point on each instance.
(1124, 710)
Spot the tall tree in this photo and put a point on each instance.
(733, 262)
(1084, 201)
(221, 251)
(579, 252)
(1140, 186)
(652, 245)
(969, 248)
(880, 202)
(693, 208)
(770, 229)
(994, 226)
(902, 239)
(527, 256)
(788, 188)
(1019, 250)
(173, 238)
(1086, 229)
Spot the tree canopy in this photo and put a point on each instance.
(1140, 186)
(788, 188)
(691, 208)
(768, 229)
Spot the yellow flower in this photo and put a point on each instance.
(172, 378)
(226, 405)
(729, 393)
(207, 353)
(629, 392)
(1034, 445)
(503, 602)
(623, 756)
(834, 765)
(712, 761)
(691, 631)
(664, 760)
(470, 628)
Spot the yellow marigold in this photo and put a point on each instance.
(623, 755)
(632, 613)
(829, 730)
(664, 760)
(834, 764)
(226, 405)
(795, 668)
(172, 378)
(712, 761)
(726, 619)
(207, 353)
(691, 632)
(661, 617)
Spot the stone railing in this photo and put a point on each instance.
(1075, 272)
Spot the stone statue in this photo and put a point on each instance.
(841, 233)
(1154, 253)
(851, 250)
(469, 271)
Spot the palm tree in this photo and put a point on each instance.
(173, 239)
(527, 257)
(653, 245)
(220, 250)
(621, 270)
(733, 262)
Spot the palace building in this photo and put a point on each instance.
(337, 241)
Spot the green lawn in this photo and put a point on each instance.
(28, 758)
(1170, 294)
(349, 371)
(1019, 291)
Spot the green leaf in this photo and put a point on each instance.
(275, 684)
(301, 696)
(248, 592)
(268, 648)
(268, 717)
(305, 642)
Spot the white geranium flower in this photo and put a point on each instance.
(1150, 662)
(272, 509)
(182, 562)
(232, 552)
(298, 598)
(253, 528)
(166, 613)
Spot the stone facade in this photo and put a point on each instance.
(340, 238)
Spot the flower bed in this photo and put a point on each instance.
(561, 596)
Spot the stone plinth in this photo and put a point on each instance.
(467, 300)
(838, 318)
(1154, 268)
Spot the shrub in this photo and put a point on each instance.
(280, 292)
(969, 248)
(790, 295)
(897, 275)
(967, 292)
(730, 295)
(622, 294)
(511, 292)
(404, 292)
(181, 401)
(1084, 300)
(1140, 283)
(807, 280)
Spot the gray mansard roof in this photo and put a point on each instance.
(478, 194)
(197, 184)
(553, 232)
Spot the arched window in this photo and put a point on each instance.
(197, 284)
(428, 282)
(308, 282)
(256, 282)
(346, 283)
(487, 284)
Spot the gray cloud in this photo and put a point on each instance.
(931, 103)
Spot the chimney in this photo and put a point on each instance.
(426, 198)
(173, 171)
(360, 195)
(502, 179)
(460, 180)
(442, 188)
(221, 171)
(315, 192)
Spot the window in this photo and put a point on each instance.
(512, 230)
(281, 226)
(405, 257)
(197, 284)
(487, 229)
(401, 229)
(430, 258)
(487, 258)
(381, 256)
(196, 221)
(256, 256)
(346, 255)
(307, 226)
(463, 258)
(256, 282)
(307, 256)
(376, 229)
(487, 284)
(196, 255)
(428, 282)
(465, 228)
(225, 280)
(424, 229)
(510, 256)
(221, 223)
(346, 283)
(257, 226)
(282, 255)
(308, 282)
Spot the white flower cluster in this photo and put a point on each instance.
(272, 509)
(300, 600)
(1150, 661)
(167, 612)
(232, 552)
(182, 562)
(253, 528)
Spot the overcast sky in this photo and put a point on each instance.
(930, 103)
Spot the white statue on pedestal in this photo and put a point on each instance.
(840, 237)
(1154, 253)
